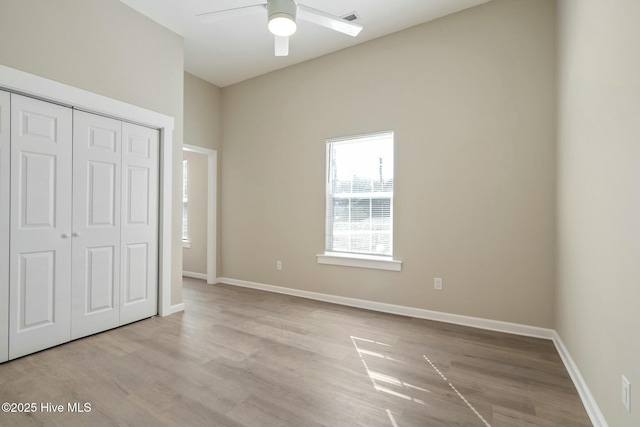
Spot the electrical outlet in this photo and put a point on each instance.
(437, 283)
(278, 265)
(626, 393)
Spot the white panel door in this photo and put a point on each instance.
(40, 251)
(139, 258)
(95, 289)
(4, 224)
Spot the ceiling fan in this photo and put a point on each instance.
(281, 20)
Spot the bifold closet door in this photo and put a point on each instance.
(5, 178)
(97, 158)
(115, 223)
(80, 239)
(40, 242)
(139, 265)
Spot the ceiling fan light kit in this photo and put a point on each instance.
(282, 17)
(282, 25)
(281, 20)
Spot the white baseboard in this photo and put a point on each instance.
(176, 308)
(589, 402)
(476, 322)
(193, 275)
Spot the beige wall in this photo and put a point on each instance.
(104, 47)
(471, 98)
(194, 258)
(598, 282)
(203, 128)
(202, 113)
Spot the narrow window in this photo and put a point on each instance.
(185, 199)
(359, 209)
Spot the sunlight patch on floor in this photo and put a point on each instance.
(457, 392)
(393, 420)
(378, 377)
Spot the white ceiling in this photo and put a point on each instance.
(229, 51)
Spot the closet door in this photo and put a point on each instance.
(40, 251)
(139, 265)
(4, 224)
(95, 289)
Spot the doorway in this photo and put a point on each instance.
(199, 213)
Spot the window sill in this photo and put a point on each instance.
(186, 244)
(361, 261)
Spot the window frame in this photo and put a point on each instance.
(186, 243)
(355, 259)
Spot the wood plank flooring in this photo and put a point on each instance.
(241, 357)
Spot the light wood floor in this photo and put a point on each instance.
(240, 357)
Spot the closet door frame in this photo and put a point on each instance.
(13, 80)
(5, 176)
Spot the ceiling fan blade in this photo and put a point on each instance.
(326, 20)
(218, 15)
(282, 46)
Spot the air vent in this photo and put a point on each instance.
(350, 17)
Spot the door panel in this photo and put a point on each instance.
(137, 261)
(38, 183)
(4, 224)
(138, 198)
(40, 226)
(139, 223)
(96, 224)
(36, 279)
(100, 285)
(101, 194)
(38, 125)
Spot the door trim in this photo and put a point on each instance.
(39, 87)
(212, 214)
(5, 179)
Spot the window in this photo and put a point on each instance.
(185, 199)
(359, 207)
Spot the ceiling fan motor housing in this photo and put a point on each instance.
(281, 8)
